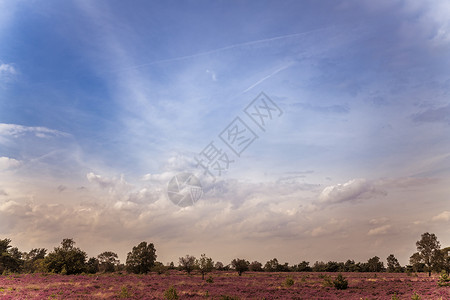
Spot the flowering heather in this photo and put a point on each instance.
(251, 285)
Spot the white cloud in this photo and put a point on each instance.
(381, 230)
(7, 72)
(443, 216)
(8, 163)
(15, 130)
(7, 69)
(352, 190)
(112, 184)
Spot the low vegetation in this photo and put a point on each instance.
(67, 259)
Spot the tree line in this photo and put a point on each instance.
(68, 259)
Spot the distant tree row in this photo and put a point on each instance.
(68, 259)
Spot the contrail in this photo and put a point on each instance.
(268, 76)
(228, 48)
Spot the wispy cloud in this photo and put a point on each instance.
(443, 216)
(434, 115)
(267, 77)
(381, 230)
(16, 130)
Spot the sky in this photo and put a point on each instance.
(102, 103)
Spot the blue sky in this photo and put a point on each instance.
(103, 102)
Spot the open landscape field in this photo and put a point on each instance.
(224, 285)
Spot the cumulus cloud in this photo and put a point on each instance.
(381, 230)
(443, 216)
(350, 191)
(8, 163)
(3, 193)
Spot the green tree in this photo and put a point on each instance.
(205, 265)
(10, 258)
(33, 260)
(92, 265)
(66, 259)
(219, 266)
(255, 266)
(375, 265)
(187, 263)
(271, 265)
(141, 259)
(428, 248)
(303, 267)
(393, 266)
(240, 265)
(108, 261)
(416, 262)
(446, 259)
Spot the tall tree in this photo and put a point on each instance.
(393, 266)
(428, 248)
(141, 259)
(33, 260)
(205, 265)
(375, 265)
(10, 258)
(66, 259)
(416, 262)
(271, 265)
(446, 259)
(108, 261)
(187, 263)
(240, 265)
(255, 266)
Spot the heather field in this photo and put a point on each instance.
(263, 285)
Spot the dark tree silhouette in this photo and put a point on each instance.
(240, 265)
(187, 263)
(428, 248)
(141, 259)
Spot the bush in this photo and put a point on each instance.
(415, 296)
(124, 293)
(289, 281)
(444, 279)
(326, 280)
(209, 279)
(340, 282)
(171, 293)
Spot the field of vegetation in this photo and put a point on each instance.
(67, 273)
(175, 284)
